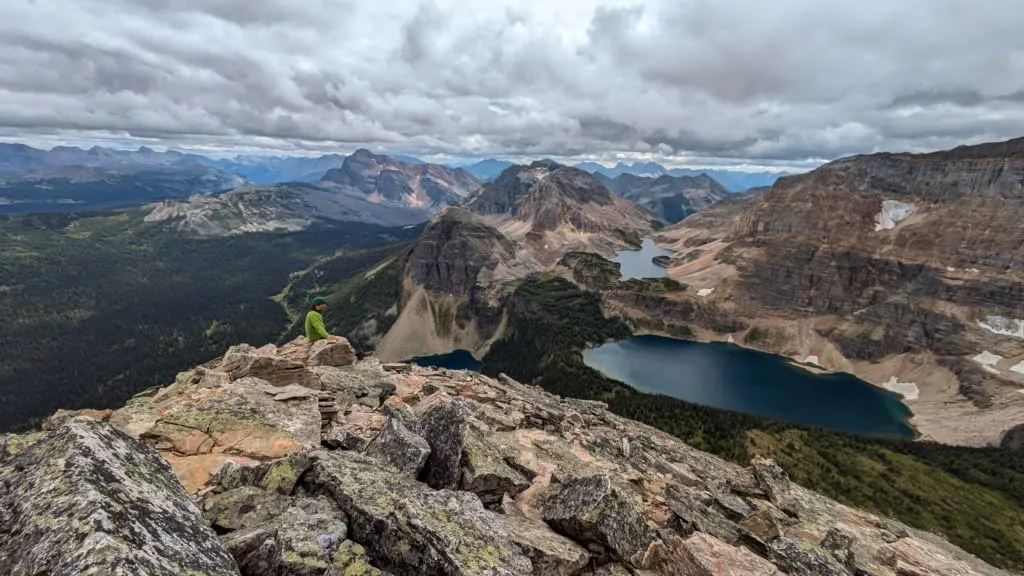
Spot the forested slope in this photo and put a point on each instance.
(95, 307)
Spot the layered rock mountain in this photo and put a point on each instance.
(904, 269)
(470, 256)
(670, 198)
(384, 179)
(555, 209)
(299, 460)
(280, 208)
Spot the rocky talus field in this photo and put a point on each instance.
(299, 460)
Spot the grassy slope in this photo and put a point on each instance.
(973, 496)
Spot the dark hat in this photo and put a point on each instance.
(319, 300)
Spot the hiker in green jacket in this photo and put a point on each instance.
(315, 329)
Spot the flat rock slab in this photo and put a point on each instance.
(212, 425)
(407, 528)
(87, 499)
(702, 555)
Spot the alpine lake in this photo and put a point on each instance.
(730, 377)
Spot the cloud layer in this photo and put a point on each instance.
(722, 80)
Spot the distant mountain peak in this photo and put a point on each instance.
(385, 179)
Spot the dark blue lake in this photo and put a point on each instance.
(733, 378)
(457, 360)
(639, 263)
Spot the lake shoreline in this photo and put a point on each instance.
(884, 412)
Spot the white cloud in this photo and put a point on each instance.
(723, 80)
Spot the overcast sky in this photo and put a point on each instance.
(719, 81)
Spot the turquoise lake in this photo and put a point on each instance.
(639, 264)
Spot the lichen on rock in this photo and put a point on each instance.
(87, 499)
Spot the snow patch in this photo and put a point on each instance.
(893, 212)
(730, 340)
(705, 292)
(908, 390)
(812, 360)
(1004, 326)
(988, 361)
(1018, 368)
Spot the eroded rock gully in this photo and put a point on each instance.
(411, 471)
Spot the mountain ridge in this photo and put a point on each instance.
(857, 265)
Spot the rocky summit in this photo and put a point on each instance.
(300, 460)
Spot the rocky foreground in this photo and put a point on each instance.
(299, 461)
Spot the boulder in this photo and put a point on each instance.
(255, 550)
(693, 513)
(702, 555)
(397, 367)
(407, 528)
(283, 474)
(761, 529)
(805, 559)
(350, 559)
(775, 483)
(551, 554)
(337, 352)
(486, 474)
(297, 350)
(397, 446)
(339, 438)
(61, 416)
(242, 361)
(234, 475)
(732, 506)
(245, 507)
(592, 510)
(87, 499)
(444, 426)
(308, 542)
(299, 541)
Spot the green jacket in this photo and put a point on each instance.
(315, 326)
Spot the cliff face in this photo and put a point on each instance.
(447, 288)
(301, 462)
(898, 267)
(383, 178)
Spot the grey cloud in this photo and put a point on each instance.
(728, 80)
(957, 97)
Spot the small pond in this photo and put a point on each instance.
(640, 263)
(457, 360)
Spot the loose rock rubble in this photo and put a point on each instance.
(361, 469)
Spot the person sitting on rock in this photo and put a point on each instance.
(315, 329)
